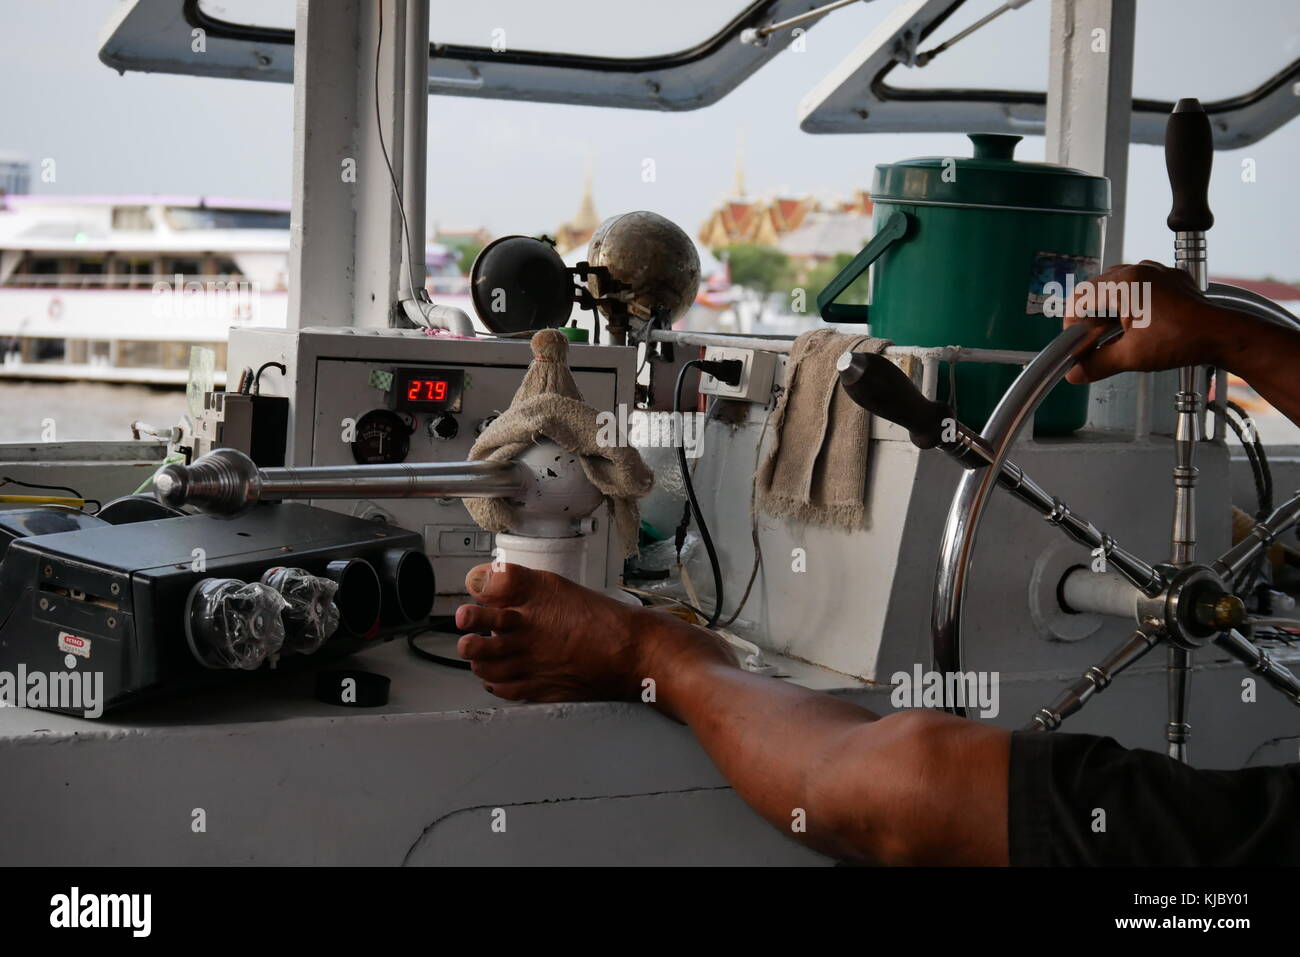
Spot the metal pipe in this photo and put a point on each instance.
(426, 480)
(923, 58)
(227, 482)
(785, 344)
(758, 35)
(1100, 593)
(1189, 256)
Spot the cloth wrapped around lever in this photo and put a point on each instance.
(815, 469)
(548, 404)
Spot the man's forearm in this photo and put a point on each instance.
(772, 740)
(1263, 353)
(822, 769)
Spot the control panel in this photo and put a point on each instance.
(361, 396)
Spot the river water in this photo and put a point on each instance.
(91, 410)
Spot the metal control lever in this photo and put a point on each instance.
(883, 389)
(228, 482)
(1189, 155)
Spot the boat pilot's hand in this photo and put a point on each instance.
(1167, 321)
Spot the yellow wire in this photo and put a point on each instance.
(43, 500)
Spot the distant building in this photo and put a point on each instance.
(800, 226)
(860, 202)
(15, 174)
(577, 231)
(824, 234)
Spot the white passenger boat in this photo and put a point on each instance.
(120, 288)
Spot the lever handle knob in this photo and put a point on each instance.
(883, 389)
(1189, 154)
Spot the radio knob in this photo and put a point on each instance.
(443, 426)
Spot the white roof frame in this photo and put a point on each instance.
(155, 36)
(855, 97)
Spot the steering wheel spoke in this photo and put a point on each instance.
(1095, 680)
(1261, 662)
(1231, 563)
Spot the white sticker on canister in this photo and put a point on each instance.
(74, 645)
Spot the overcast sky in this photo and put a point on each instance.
(519, 167)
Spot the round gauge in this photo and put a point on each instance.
(383, 437)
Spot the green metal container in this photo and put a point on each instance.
(964, 251)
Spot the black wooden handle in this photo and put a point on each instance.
(883, 389)
(1189, 153)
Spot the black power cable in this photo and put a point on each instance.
(1239, 420)
(6, 480)
(729, 371)
(436, 624)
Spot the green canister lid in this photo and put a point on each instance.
(991, 178)
(575, 334)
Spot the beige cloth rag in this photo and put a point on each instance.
(815, 469)
(548, 404)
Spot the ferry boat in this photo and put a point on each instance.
(121, 288)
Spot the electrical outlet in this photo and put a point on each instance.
(756, 377)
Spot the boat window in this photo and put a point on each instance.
(186, 267)
(1245, 51)
(557, 26)
(47, 350)
(133, 272)
(676, 55)
(134, 354)
(193, 217)
(643, 29)
(995, 79)
(90, 273)
(35, 271)
(132, 219)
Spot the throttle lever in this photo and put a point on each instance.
(1189, 154)
(883, 389)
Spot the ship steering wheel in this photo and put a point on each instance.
(1182, 603)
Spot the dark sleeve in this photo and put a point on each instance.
(1083, 800)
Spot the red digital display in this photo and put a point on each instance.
(426, 390)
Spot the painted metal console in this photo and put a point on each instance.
(347, 391)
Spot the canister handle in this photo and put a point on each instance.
(894, 228)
